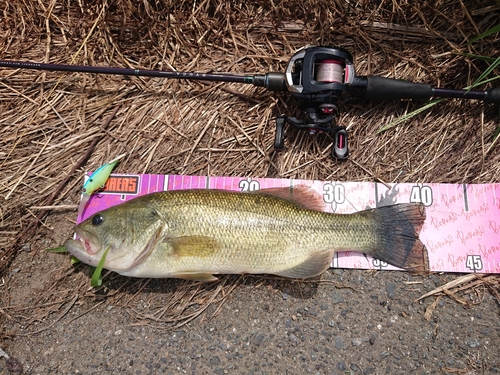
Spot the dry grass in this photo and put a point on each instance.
(51, 121)
(473, 285)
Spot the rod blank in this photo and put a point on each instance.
(219, 77)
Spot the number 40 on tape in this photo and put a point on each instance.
(421, 194)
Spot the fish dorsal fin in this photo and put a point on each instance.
(302, 195)
(314, 265)
(189, 246)
(195, 276)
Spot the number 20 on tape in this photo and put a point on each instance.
(249, 185)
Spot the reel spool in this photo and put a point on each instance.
(329, 71)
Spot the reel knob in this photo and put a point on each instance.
(340, 149)
(279, 137)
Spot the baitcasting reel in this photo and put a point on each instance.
(319, 78)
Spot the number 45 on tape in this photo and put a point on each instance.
(474, 263)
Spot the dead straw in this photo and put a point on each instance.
(53, 127)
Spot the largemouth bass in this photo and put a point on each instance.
(194, 234)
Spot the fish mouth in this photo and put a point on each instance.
(76, 248)
(90, 242)
(85, 246)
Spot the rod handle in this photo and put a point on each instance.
(492, 96)
(382, 88)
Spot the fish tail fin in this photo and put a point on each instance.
(398, 228)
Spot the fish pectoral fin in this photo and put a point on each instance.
(193, 246)
(196, 276)
(316, 264)
(148, 248)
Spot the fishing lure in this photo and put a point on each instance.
(98, 179)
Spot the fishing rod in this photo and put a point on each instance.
(319, 78)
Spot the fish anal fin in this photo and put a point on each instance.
(196, 276)
(193, 246)
(302, 195)
(316, 264)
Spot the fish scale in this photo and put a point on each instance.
(194, 234)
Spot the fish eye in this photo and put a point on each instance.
(97, 219)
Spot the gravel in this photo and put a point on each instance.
(377, 328)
